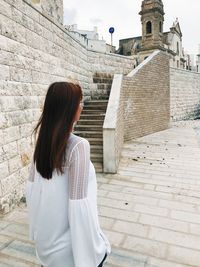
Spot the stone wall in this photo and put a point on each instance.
(185, 94)
(146, 97)
(139, 105)
(34, 52)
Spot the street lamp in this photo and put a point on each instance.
(111, 31)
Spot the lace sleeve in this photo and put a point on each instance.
(79, 170)
(87, 244)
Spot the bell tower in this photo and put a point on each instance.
(152, 18)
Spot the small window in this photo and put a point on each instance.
(138, 46)
(160, 26)
(177, 48)
(148, 27)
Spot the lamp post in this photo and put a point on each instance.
(111, 31)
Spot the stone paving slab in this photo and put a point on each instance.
(150, 209)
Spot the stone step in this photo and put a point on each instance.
(90, 122)
(89, 116)
(96, 149)
(96, 102)
(96, 96)
(98, 167)
(95, 141)
(92, 128)
(96, 157)
(95, 112)
(95, 107)
(104, 87)
(89, 134)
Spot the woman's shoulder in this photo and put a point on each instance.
(76, 141)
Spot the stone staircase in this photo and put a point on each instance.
(90, 125)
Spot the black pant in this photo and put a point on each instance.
(101, 264)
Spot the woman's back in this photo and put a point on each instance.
(63, 211)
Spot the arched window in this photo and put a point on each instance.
(148, 27)
(160, 26)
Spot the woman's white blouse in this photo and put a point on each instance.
(63, 215)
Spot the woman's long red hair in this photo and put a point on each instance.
(55, 124)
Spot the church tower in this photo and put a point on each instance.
(152, 18)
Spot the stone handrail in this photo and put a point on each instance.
(141, 65)
(113, 127)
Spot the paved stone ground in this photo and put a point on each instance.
(150, 210)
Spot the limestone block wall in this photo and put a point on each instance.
(185, 94)
(146, 97)
(34, 52)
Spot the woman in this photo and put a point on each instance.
(61, 191)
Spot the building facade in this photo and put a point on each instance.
(153, 37)
(90, 39)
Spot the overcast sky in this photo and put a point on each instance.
(123, 16)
